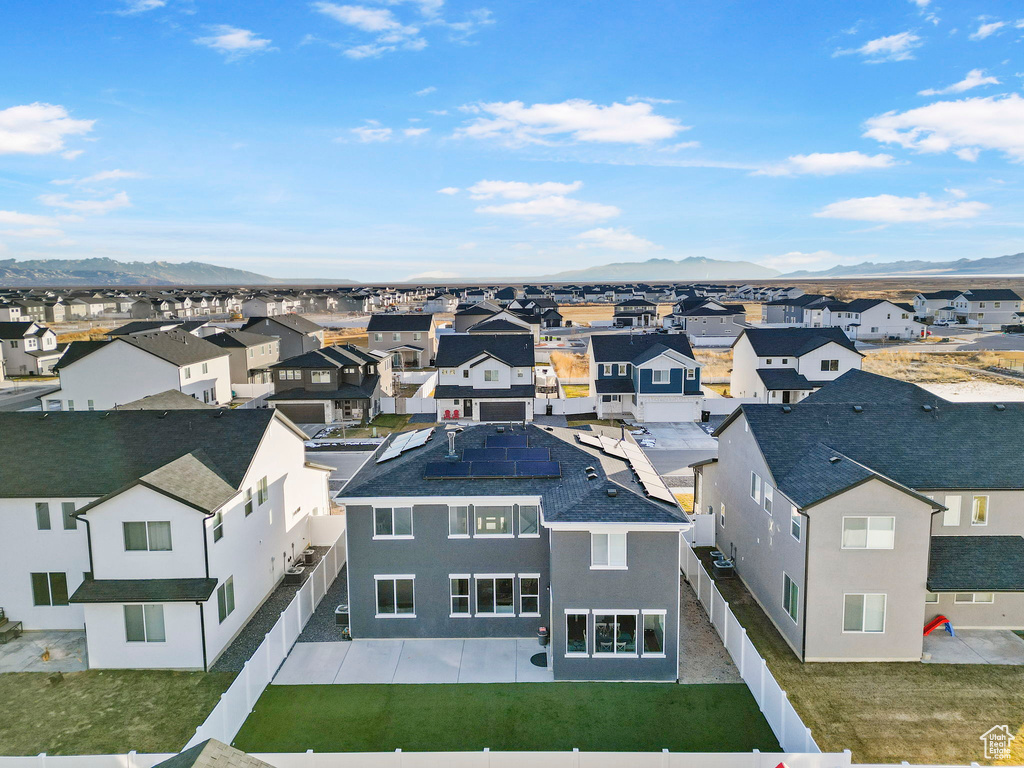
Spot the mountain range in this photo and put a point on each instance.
(999, 265)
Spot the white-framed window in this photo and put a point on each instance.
(42, 516)
(417, 336)
(493, 521)
(188, 372)
(661, 376)
(755, 487)
(864, 613)
(392, 523)
(378, 337)
(218, 526)
(791, 597)
(979, 510)
(796, 522)
(608, 551)
(931, 598)
(869, 532)
(691, 374)
(491, 375)
(144, 624)
(396, 336)
(769, 498)
(225, 599)
(606, 369)
(721, 514)
(206, 367)
(951, 517)
(459, 591)
(964, 598)
(654, 633)
(615, 633)
(320, 377)
(396, 596)
(248, 502)
(529, 521)
(495, 595)
(576, 633)
(262, 493)
(67, 512)
(152, 536)
(830, 365)
(529, 594)
(458, 522)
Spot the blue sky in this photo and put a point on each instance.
(379, 140)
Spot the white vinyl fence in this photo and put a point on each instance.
(785, 723)
(235, 704)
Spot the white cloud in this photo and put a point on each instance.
(890, 209)
(959, 194)
(426, 91)
(72, 154)
(38, 129)
(25, 219)
(93, 207)
(897, 47)
(974, 78)
(413, 132)
(467, 246)
(113, 175)
(964, 127)
(372, 131)
(33, 232)
(140, 6)
(987, 30)
(553, 207)
(614, 239)
(233, 42)
(921, 3)
(521, 190)
(827, 164)
(571, 120)
(816, 260)
(389, 33)
(449, 191)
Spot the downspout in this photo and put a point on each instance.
(807, 580)
(202, 613)
(88, 539)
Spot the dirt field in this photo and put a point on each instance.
(585, 314)
(569, 365)
(345, 336)
(937, 367)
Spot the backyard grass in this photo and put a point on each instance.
(105, 711)
(615, 717)
(576, 390)
(569, 365)
(345, 336)
(890, 712)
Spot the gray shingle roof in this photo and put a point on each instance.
(516, 391)
(362, 391)
(495, 326)
(393, 321)
(176, 347)
(238, 339)
(144, 590)
(170, 400)
(793, 342)
(290, 321)
(512, 348)
(212, 754)
(785, 378)
(856, 386)
(976, 564)
(337, 356)
(145, 326)
(991, 294)
(627, 347)
(14, 329)
(619, 386)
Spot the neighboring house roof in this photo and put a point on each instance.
(336, 356)
(627, 347)
(857, 386)
(991, 294)
(238, 339)
(177, 347)
(513, 349)
(786, 378)
(170, 400)
(793, 342)
(713, 311)
(976, 564)
(620, 386)
(453, 391)
(77, 350)
(413, 321)
(15, 329)
(498, 326)
(212, 754)
(144, 590)
(941, 295)
(362, 391)
(144, 326)
(291, 321)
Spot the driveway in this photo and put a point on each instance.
(19, 396)
(679, 444)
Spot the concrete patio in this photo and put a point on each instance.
(473, 660)
(974, 646)
(25, 654)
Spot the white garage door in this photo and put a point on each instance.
(655, 411)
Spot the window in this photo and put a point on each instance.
(974, 597)
(576, 633)
(615, 634)
(261, 491)
(869, 532)
(320, 377)
(42, 516)
(494, 595)
(691, 374)
(147, 537)
(144, 624)
(660, 376)
(654, 633)
(863, 613)
(392, 523)
(494, 521)
(459, 589)
(979, 511)
(396, 336)
(49, 589)
(188, 372)
(248, 502)
(91, 404)
(218, 528)
(529, 594)
(206, 367)
(830, 365)
(458, 522)
(769, 498)
(607, 369)
(768, 361)
(791, 597)
(225, 599)
(529, 521)
(951, 517)
(755, 487)
(931, 597)
(796, 523)
(491, 375)
(378, 337)
(71, 405)
(465, 373)
(395, 596)
(607, 550)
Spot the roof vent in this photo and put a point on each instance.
(833, 459)
(591, 469)
(858, 409)
(218, 413)
(591, 475)
(613, 492)
(499, 430)
(927, 408)
(162, 415)
(1000, 407)
(787, 408)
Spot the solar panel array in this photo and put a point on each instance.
(504, 456)
(645, 472)
(405, 441)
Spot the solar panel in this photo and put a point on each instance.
(401, 439)
(493, 469)
(662, 493)
(592, 440)
(484, 454)
(528, 454)
(419, 438)
(405, 441)
(612, 447)
(650, 477)
(507, 441)
(435, 470)
(538, 469)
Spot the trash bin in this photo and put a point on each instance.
(542, 636)
(341, 615)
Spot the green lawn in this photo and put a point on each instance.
(104, 711)
(616, 717)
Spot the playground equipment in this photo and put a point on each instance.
(937, 622)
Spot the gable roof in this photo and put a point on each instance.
(77, 350)
(212, 754)
(393, 321)
(291, 321)
(238, 339)
(335, 356)
(860, 387)
(498, 326)
(793, 342)
(991, 294)
(514, 349)
(15, 329)
(178, 347)
(170, 400)
(628, 347)
(144, 326)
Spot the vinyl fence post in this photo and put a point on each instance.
(576, 757)
(725, 625)
(743, 648)
(42, 759)
(783, 698)
(760, 690)
(130, 759)
(309, 758)
(808, 739)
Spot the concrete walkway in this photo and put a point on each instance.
(473, 660)
(974, 646)
(25, 654)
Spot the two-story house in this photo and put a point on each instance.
(934, 306)
(28, 348)
(296, 334)
(158, 532)
(784, 365)
(97, 375)
(410, 339)
(790, 310)
(341, 383)
(870, 319)
(250, 355)
(988, 308)
(708, 319)
(498, 534)
(635, 313)
(646, 377)
(485, 377)
(850, 542)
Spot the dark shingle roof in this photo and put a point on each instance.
(337, 356)
(856, 386)
(77, 350)
(14, 329)
(238, 339)
(169, 400)
(144, 590)
(145, 326)
(615, 386)
(976, 564)
(516, 391)
(785, 378)
(361, 391)
(793, 342)
(627, 347)
(400, 322)
(512, 348)
(291, 321)
(991, 294)
(496, 326)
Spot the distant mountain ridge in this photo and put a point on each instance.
(696, 268)
(998, 265)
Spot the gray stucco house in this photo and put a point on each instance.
(296, 334)
(520, 528)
